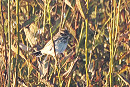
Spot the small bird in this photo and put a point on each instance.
(60, 42)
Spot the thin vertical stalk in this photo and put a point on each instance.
(96, 17)
(117, 20)
(9, 38)
(62, 14)
(44, 16)
(117, 24)
(61, 26)
(28, 62)
(113, 33)
(33, 12)
(27, 7)
(60, 83)
(48, 8)
(86, 64)
(69, 81)
(86, 49)
(17, 27)
(111, 46)
(110, 68)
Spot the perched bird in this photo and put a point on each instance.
(60, 42)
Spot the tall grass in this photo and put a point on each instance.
(86, 49)
(97, 53)
(17, 56)
(9, 41)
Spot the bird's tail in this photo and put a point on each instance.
(38, 53)
(43, 66)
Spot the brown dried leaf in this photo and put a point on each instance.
(71, 69)
(43, 67)
(81, 7)
(30, 37)
(33, 28)
(20, 52)
(123, 55)
(66, 58)
(68, 3)
(24, 47)
(71, 30)
(125, 68)
(127, 82)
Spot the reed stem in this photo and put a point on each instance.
(86, 50)
(9, 40)
(17, 28)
